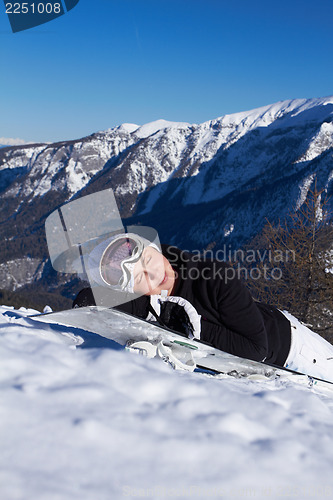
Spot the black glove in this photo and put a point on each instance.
(177, 314)
(176, 318)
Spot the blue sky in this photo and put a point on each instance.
(107, 62)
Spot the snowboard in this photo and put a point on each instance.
(150, 339)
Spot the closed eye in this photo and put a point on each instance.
(148, 259)
(138, 278)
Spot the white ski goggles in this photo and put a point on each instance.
(118, 260)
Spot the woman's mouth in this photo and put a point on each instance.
(164, 279)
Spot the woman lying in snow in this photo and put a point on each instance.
(217, 309)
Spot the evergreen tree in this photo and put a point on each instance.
(296, 272)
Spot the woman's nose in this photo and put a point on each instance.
(151, 273)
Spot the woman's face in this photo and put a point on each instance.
(153, 273)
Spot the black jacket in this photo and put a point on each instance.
(230, 319)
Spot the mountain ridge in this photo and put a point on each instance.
(195, 183)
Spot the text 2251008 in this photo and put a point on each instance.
(33, 8)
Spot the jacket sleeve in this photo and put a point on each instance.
(238, 327)
(138, 307)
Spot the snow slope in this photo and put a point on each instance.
(104, 423)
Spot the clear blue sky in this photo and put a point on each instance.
(107, 62)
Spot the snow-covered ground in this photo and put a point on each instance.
(107, 424)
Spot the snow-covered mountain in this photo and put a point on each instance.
(216, 181)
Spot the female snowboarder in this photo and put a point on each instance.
(229, 318)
